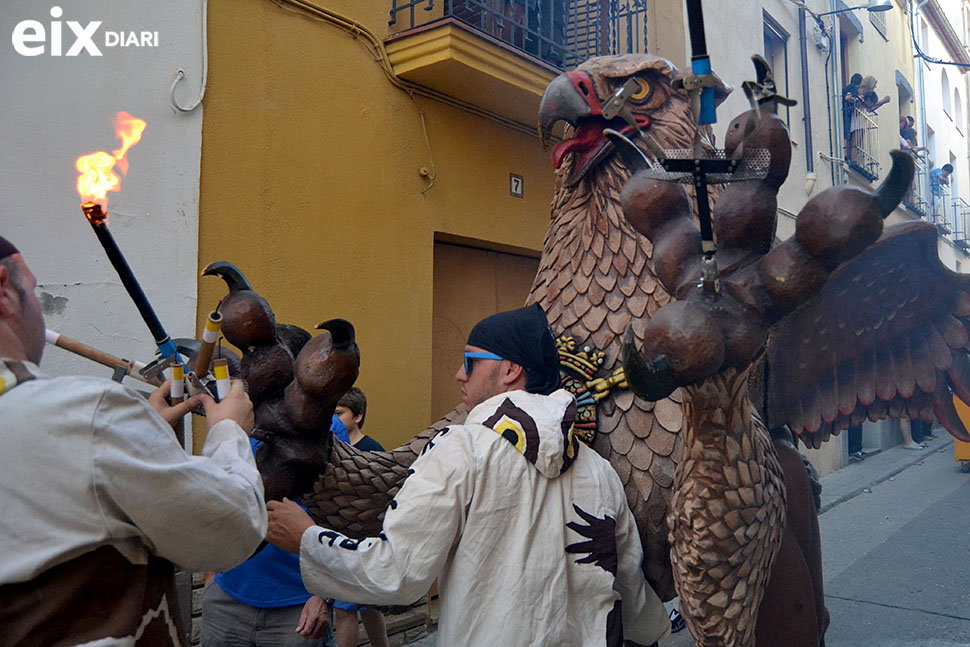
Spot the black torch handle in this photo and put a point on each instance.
(695, 25)
(100, 226)
(700, 62)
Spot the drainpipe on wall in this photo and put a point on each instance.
(806, 94)
(828, 109)
(836, 149)
(921, 88)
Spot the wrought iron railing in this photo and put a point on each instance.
(960, 216)
(562, 33)
(860, 148)
(941, 210)
(915, 198)
(627, 20)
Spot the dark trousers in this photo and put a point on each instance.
(855, 439)
(920, 430)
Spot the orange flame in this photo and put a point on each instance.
(97, 169)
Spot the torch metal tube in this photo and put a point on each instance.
(210, 334)
(177, 388)
(99, 222)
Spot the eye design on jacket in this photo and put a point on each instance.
(517, 427)
(512, 433)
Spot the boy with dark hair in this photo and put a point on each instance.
(352, 409)
(939, 177)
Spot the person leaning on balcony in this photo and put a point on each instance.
(872, 102)
(866, 101)
(99, 498)
(939, 177)
(850, 95)
(867, 88)
(907, 138)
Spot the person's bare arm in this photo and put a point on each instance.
(314, 619)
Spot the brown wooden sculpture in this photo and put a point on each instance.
(595, 276)
(594, 279)
(854, 359)
(710, 467)
(293, 380)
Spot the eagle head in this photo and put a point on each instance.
(579, 97)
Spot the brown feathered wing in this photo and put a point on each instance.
(887, 336)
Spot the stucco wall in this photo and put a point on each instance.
(56, 108)
(311, 185)
(950, 132)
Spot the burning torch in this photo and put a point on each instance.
(96, 179)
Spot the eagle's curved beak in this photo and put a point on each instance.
(572, 98)
(568, 98)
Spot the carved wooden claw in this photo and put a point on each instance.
(703, 333)
(294, 381)
(649, 380)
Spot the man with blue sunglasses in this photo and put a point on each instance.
(527, 530)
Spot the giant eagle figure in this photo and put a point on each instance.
(857, 323)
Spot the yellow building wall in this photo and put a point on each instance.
(310, 184)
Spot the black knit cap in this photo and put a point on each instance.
(7, 248)
(522, 336)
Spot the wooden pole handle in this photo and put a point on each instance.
(91, 353)
(97, 355)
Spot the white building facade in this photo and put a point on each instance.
(67, 68)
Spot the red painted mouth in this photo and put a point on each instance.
(587, 136)
(589, 145)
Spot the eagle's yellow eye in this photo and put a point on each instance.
(644, 89)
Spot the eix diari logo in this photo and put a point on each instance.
(33, 38)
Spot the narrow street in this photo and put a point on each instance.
(895, 550)
(897, 561)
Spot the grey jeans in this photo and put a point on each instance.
(227, 622)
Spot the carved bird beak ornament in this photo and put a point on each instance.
(628, 94)
(571, 97)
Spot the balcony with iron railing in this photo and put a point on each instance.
(560, 33)
(915, 199)
(861, 148)
(500, 54)
(958, 222)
